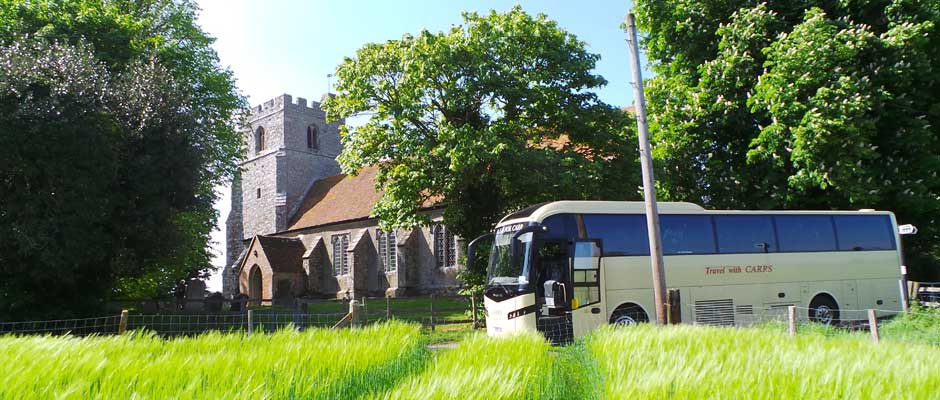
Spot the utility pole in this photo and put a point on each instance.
(649, 190)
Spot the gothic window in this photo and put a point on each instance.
(259, 140)
(312, 139)
(388, 250)
(340, 255)
(258, 193)
(445, 246)
(451, 248)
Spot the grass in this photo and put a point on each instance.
(921, 325)
(316, 363)
(391, 361)
(481, 367)
(448, 333)
(703, 362)
(417, 309)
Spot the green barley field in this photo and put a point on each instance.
(392, 361)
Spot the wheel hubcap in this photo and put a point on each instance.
(624, 320)
(824, 314)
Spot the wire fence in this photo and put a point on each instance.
(431, 312)
(919, 324)
(77, 326)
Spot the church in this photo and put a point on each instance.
(298, 227)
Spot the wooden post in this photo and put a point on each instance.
(646, 167)
(122, 326)
(673, 307)
(873, 326)
(353, 313)
(364, 311)
(432, 313)
(251, 327)
(388, 307)
(791, 319)
(473, 310)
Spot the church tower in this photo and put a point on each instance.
(288, 148)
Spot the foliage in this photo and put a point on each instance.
(454, 116)
(800, 105)
(920, 325)
(116, 126)
(703, 362)
(314, 364)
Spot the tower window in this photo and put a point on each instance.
(258, 191)
(259, 140)
(312, 139)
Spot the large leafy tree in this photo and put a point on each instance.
(116, 122)
(495, 114)
(804, 104)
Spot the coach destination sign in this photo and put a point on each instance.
(738, 269)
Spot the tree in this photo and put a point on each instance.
(117, 122)
(490, 116)
(800, 105)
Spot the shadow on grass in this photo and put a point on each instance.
(380, 378)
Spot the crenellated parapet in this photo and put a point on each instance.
(286, 101)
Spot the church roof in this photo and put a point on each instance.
(338, 198)
(341, 198)
(284, 254)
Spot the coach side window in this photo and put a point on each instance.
(620, 235)
(864, 232)
(805, 233)
(745, 234)
(560, 226)
(687, 234)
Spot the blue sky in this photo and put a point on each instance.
(289, 46)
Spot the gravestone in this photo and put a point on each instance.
(195, 296)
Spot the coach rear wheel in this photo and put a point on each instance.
(824, 310)
(627, 315)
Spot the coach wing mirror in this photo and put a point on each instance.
(763, 246)
(523, 231)
(907, 229)
(472, 247)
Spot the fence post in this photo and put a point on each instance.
(353, 313)
(364, 314)
(388, 307)
(432, 312)
(791, 320)
(122, 326)
(473, 309)
(674, 306)
(873, 326)
(251, 327)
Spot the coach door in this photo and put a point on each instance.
(586, 303)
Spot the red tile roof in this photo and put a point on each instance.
(284, 254)
(338, 198)
(341, 198)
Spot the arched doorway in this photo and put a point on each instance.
(255, 291)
